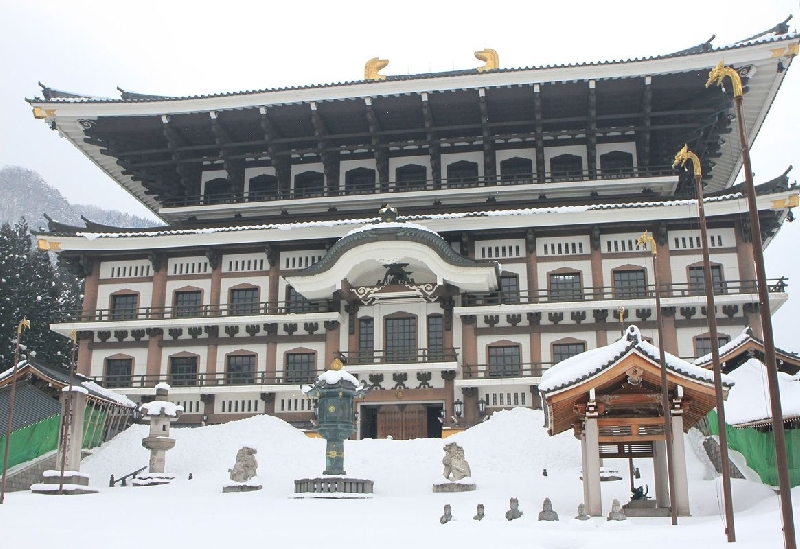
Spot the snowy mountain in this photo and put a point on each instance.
(26, 194)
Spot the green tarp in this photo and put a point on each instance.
(759, 450)
(35, 440)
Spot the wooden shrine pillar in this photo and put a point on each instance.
(591, 457)
(679, 460)
(660, 473)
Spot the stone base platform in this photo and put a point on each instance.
(333, 488)
(75, 483)
(644, 508)
(453, 487)
(152, 479)
(240, 488)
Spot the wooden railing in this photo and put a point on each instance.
(499, 371)
(728, 287)
(394, 187)
(202, 379)
(411, 356)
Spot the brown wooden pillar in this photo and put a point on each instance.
(271, 365)
(596, 260)
(351, 308)
(211, 361)
(532, 266)
(469, 344)
(663, 265)
(601, 338)
(159, 298)
(449, 377)
(215, 261)
(154, 354)
(331, 341)
(84, 360)
(471, 415)
(747, 275)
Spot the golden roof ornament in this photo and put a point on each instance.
(489, 57)
(336, 364)
(685, 154)
(718, 74)
(388, 214)
(373, 67)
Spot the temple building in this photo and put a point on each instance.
(449, 236)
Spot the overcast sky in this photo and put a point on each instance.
(172, 47)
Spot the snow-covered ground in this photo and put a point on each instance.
(506, 454)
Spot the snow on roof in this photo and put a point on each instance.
(741, 339)
(75, 389)
(332, 377)
(9, 371)
(749, 403)
(390, 225)
(161, 408)
(591, 363)
(120, 399)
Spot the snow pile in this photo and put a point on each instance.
(332, 377)
(748, 402)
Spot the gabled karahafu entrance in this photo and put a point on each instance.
(611, 398)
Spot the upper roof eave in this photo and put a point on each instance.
(397, 85)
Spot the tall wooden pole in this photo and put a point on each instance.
(24, 323)
(711, 314)
(716, 76)
(642, 242)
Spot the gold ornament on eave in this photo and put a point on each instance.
(373, 67)
(490, 58)
(336, 364)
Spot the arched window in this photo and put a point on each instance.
(411, 177)
(243, 300)
(183, 370)
(702, 343)
(240, 368)
(462, 174)
(309, 184)
(217, 191)
(359, 181)
(124, 305)
(300, 367)
(118, 370)
(566, 167)
(504, 360)
(263, 187)
(516, 170)
(296, 303)
(697, 281)
(400, 334)
(366, 340)
(616, 164)
(566, 348)
(565, 286)
(630, 282)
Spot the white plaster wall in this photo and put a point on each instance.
(132, 268)
(728, 236)
(208, 176)
(175, 284)
(584, 266)
(293, 401)
(104, 291)
(245, 402)
(582, 246)
(197, 264)
(549, 338)
(299, 259)
(493, 249)
(99, 357)
(512, 395)
(258, 262)
(551, 151)
(679, 265)
(301, 168)
(422, 160)
(625, 243)
(605, 148)
(476, 156)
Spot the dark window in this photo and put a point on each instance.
(241, 369)
(697, 283)
(217, 191)
(263, 187)
(366, 340)
(616, 164)
(411, 177)
(124, 306)
(462, 174)
(244, 302)
(182, 371)
(509, 288)
(309, 184)
(187, 304)
(565, 287)
(562, 351)
(516, 170)
(702, 345)
(629, 284)
(300, 367)
(296, 303)
(435, 337)
(401, 339)
(504, 361)
(118, 372)
(566, 167)
(359, 181)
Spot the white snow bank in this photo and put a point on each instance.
(749, 402)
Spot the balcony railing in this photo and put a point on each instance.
(203, 311)
(420, 185)
(728, 287)
(411, 356)
(216, 379)
(499, 371)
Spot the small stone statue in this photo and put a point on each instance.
(246, 465)
(514, 512)
(448, 515)
(640, 492)
(480, 514)
(455, 466)
(547, 512)
(582, 512)
(616, 511)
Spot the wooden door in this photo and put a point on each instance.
(402, 422)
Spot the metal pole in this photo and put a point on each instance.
(27, 324)
(683, 155)
(784, 485)
(665, 404)
(66, 425)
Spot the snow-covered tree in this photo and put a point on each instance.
(31, 286)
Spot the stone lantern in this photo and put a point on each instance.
(161, 413)
(335, 391)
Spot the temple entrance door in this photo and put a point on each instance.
(403, 421)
